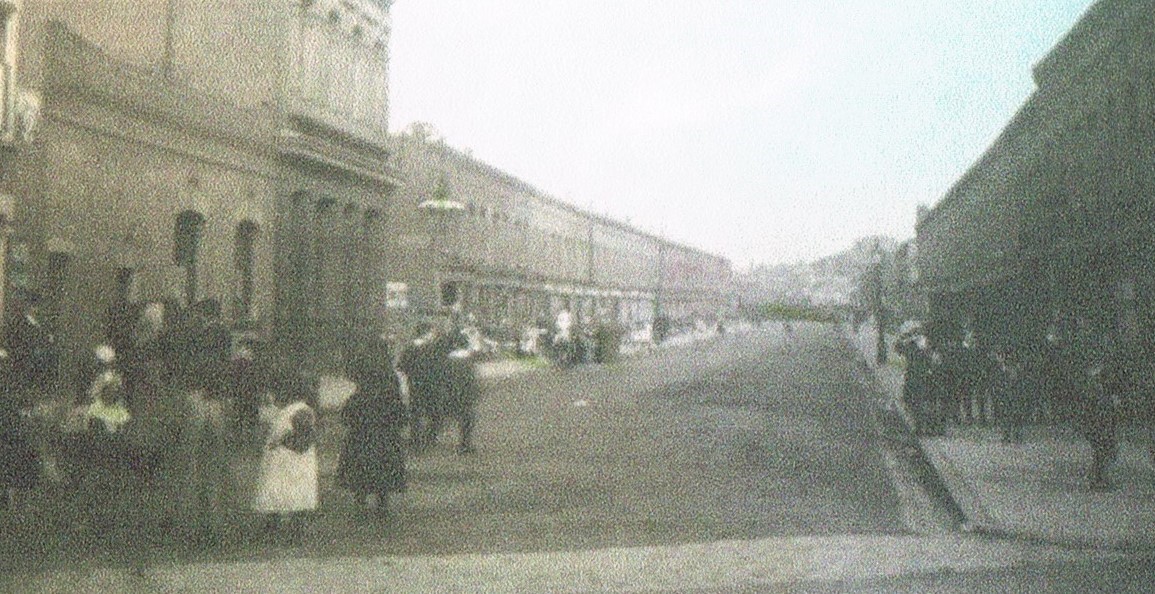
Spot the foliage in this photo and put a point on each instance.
(807, 313)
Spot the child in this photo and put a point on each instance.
(287, 483)
(106, 405)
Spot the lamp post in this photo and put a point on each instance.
(439, 211)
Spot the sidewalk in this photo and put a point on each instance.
(1036, 490)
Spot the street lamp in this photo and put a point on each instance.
(439, 211)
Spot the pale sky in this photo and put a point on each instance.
(765, 131)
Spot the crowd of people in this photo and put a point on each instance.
(148, 438)
(1092, 381)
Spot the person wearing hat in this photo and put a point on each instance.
(100, 452)
(423, 364)
(106, 396)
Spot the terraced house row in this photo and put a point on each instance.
(1053, 226)
(179, 150)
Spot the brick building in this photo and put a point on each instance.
(1054, 222)
(185, 150)
(513, 255)
(176, 150)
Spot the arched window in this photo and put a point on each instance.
(244, 252)
(186, 245)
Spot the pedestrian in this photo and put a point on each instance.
(423, 364)
(287, 484)
(564, 342)
(101, 453)
(244, 390)
(372, 462)
(106, 398)
(19, 458)
(199, 463)
(1014, 391)
(34, 352)
(461, 396)
(207, 343)
(917, 392)
(149, 338)
(1097, 412)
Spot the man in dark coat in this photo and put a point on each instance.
(19, 460)
(372, 459)
(917, 389)
(34, 351)
(460, 391)
(462, 394)
(423, 363)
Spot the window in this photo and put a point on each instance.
(244, 255)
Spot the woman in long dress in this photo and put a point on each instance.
(287, 483)
(19, 460)
(372, 463)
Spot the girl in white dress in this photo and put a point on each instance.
(287, 483)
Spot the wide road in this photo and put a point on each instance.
(738, 437)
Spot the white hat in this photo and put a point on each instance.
(105, 353)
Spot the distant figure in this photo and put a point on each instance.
(564, 342)
(423, 365)
(1098, 412)
(198, 462)
(461, 397)
(918, 393)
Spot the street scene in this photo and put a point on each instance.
(750, 461)
(569, 296)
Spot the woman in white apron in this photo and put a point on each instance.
(287, 483)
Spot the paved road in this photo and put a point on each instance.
(738, 438)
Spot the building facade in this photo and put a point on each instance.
(171, 150)
(175, 151)
(1052, 227)
(477, 238)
